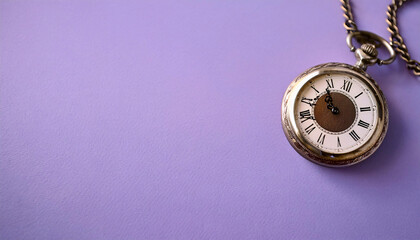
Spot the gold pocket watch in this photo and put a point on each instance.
(335, 114)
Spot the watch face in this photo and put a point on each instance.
(336, 112)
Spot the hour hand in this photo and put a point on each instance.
(329, 101)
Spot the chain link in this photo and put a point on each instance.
(349, 24)
(396, 39)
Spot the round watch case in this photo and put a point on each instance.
(310, 152)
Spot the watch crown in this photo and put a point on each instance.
(369, 49)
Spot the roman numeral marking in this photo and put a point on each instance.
(314, 89)
(365, 109)
(321, 138)
(354, 135)
(330, 83)
(358, 95)
(338, 142)
(346, 85)
(305, 115)
(363, 124)
(307, 101)
(309, 129)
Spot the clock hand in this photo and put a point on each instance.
(329, 101)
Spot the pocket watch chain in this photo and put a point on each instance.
(396, 40)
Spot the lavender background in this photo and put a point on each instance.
(161, 120)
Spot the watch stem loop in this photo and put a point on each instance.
(367, 53)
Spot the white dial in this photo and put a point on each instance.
(336, 113)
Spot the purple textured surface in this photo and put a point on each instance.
(161, 120)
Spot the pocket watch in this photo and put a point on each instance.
(335, 114)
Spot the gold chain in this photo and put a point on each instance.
(396, 39)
